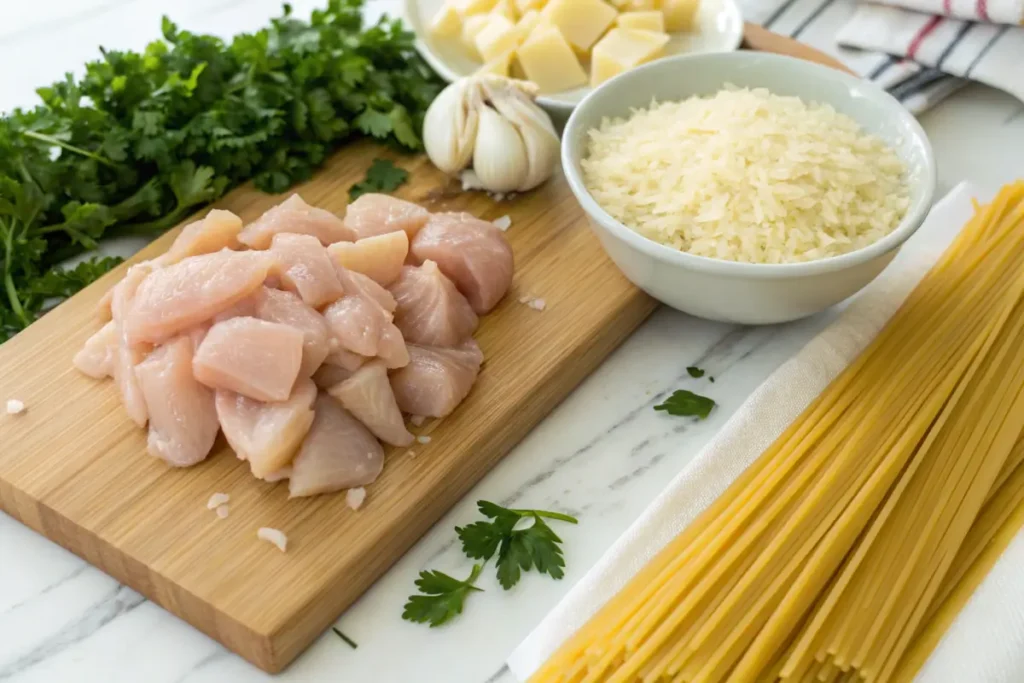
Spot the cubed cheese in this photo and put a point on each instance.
(680, 15)
(498, 66)
(471, 26)
(644, 21)
(498, 36)
(524, 6)
(581, 21)
(528, 22)
(468, 7)
(506, 9)
(447, 24)
(548, 60)
(623, 49)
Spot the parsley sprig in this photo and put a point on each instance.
(382, 176)
(142, 140)
(441, 598)
(518, 548)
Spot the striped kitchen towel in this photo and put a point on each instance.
(819, 22)
(981, 51)
(986, 11)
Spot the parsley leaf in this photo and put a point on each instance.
(441, 597)
(685, 403)
(382, 176)
(519, 550)
(695, 372)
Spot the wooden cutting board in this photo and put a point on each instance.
(75, 469)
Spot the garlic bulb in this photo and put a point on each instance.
(493, 123)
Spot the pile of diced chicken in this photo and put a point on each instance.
(304, 337)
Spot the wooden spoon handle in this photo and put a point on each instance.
(761, 39)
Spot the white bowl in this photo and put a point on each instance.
(730, 291)
(720, 30)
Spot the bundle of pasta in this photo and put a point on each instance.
(842, 551)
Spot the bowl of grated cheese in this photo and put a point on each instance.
(748, 187)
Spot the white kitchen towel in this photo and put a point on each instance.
(819, 22)
(985, 11)
(985, 52)
(985, 644)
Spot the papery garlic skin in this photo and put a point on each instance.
(494, 124)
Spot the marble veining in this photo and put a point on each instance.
(601, 455)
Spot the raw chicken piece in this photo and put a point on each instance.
(376, 214)
(430, 309)
(345, 359)
(436, 380)
(217, 230)
(129, 354)
(357, 283)
(193, 291)
(267, 434)
(182, 418)
(103, 305)
(294, 215)
(288, 309)
(338, 453)
(368, 395)
(359, 318)
(252, 357)
(392, 349)
(329, 375)
(97, 357)
(306, 269)
(473, 253)
(379, 257)
(356, 323)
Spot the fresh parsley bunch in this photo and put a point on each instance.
(144, 139)
(519, 548)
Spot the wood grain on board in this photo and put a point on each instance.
(75, 468)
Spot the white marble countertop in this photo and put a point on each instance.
(601, 455)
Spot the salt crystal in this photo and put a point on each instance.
(537, 304)
(503, 223)
(274, 536)
(423, 439)
(222, 511)
(524, 299)
(418, 420)
(354, 497)
(412, 454)
(15, 407)
(216, 500)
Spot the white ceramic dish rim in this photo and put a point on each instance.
(911, 221)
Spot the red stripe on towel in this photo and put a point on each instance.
(915, 44)
(982, 7)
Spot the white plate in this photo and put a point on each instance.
(720, 30)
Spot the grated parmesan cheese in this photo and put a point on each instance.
(745, 175)
(274, 536)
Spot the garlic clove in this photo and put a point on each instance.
(450, 128)
(536, 130)
(499, 156)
